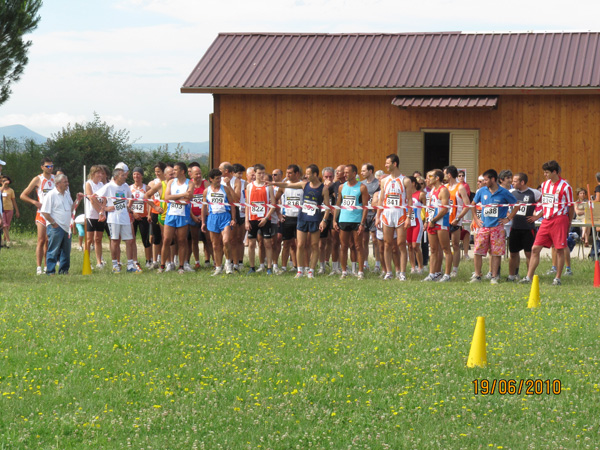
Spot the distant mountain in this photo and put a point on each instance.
(194, 148)
(21, 133)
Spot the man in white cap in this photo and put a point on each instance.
(116, 213)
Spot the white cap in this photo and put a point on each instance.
(122, 166)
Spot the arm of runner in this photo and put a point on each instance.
(230, 194)
(462, 192)
(364, 196)
(248, 208)
(272, 202)
(237, 190)
(409, 192)
(283, 185)
(204, 214)
(28, 190)
(323, 223)
(336, 212)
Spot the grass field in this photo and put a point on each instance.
(150, 361)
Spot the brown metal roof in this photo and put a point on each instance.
(447, 101)
(411, 61)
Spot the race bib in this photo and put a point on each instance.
(490, 211)
(430, 214)
(157, 195)
(119, 205)
(217, 203)
(176, 209)
(258, 209)
(548, 200)
(413, 221)
(370, 201)
(522, 210)
(293, 201)
(392, 200)
(137, 207)
(309, 207)
(348, 200)
(478, 213)
(197, 199)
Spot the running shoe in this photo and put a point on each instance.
(299, 275)
(525, 280)
(360, 276)
(430, 277)
(38, 271)
(420, 271)
(376, 269)
(475, 279)
(454, 273)
(556, 282)
(160, 270)
(170, 267)
(218, 271)
(260, 268)
(321, 271)
(181, 271)
(388, 276)
(568, 271)
(269, 272)
(413, 271)
(552, 271)
(228, 268)
(310, 275)
(495, 280)
(134, 269)
(400, 276)
(197, 266)
(344, 275)
(80, 248)
(488, 276)
(149, 265)
(513, 278)
(445, 279)
(335, 272)
(187, 267)
(251, 271)
(116, 269)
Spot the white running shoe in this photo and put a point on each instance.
(187, 267)
(321, 271)
(444, 279)
(400, 276)
(494, 280)
(310, 275)
(344, 275)
(39, 270)
(170, 267)
(388, 276)
(218, 271)
(228, 268)
(430, 277)
(488, 276)
(454, 273)
(360, 275)
(299, 275)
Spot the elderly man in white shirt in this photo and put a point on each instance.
(57, 208)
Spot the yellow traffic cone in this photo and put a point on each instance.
(534, 295)
(87, 267)
(478, 354)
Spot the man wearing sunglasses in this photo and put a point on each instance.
(43, 184)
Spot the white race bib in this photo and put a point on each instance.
(293, 201)
(309, 207)
(522, 210)
(176, 209)
(413, 220)
(490, 211)
(119, 205)
(258, 209)
(348, 200)
(430, 214)
(137, 207)
(392, 200)
(197, 200)
(217, 201)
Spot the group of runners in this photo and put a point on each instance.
(302, 220)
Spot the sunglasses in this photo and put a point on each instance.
(49, 167)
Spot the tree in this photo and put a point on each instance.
(87, 144)
(17, 18)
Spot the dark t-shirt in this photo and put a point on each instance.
(597, 190)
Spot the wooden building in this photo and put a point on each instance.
(477, 101)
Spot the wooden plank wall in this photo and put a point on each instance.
(523, 133)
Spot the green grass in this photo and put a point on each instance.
(189, 361)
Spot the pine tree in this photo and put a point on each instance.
(17, 18)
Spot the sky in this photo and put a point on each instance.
(126, 60)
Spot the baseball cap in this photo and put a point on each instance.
(122, 166)
(139, 170)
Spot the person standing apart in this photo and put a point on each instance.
(42, 184)
(57, 208)
(558, 211)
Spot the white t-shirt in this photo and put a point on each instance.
(120, 216)
(59, 207)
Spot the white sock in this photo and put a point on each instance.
(354, 267)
